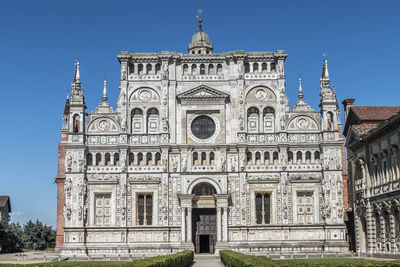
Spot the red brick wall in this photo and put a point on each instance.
(60, 190)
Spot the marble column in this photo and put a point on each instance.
(183, 225)
(219, 224)
(370, 228)
(189, 225)
(225, 231)
(392, 231)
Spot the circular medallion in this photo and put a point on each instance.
(261, 94)
(103, 125)
(144, 95)
(303, 123)
(203, 127)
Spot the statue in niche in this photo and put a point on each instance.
(242, 161)
(280, 66)
(165, 124)
(164, 163)
(69, 162)
(223, 162)
(174, 164)
(76, 123)
(184, 163)
(123, 162)
(81, 162)
(329, 118)
(233, 163)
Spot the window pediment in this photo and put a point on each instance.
(203, 94)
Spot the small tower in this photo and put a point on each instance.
(77, 105)
(200, 41)
(329, 106)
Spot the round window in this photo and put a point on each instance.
(203, 127)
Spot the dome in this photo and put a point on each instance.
(200, 43)
(200, 38)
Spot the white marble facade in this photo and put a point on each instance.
(203, 131)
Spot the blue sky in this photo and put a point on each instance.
(39, 41)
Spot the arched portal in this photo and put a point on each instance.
(204, 217)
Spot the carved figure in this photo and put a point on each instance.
(223, 162)
(69, 162)
(175, 164)
(329, 119)
(184, 163)
(233, 163)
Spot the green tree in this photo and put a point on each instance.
(10, 236)
(38, 235)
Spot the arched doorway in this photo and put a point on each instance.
(204, 218)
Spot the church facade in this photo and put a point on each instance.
(202, 152)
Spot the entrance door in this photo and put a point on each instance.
(205, 230)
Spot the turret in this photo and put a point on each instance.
(77, 105)
(200, 43)
(329, 106)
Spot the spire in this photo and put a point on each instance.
(66, 108)
(325, 73)
(105, 91)
(77, 78)
(300, 89)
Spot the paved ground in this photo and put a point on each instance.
(207, 260)
(27, 257)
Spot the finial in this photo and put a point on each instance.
(300, 88)
(105, 90)
(77, 77)
(199, 19)
(67, 96)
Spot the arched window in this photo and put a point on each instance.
(273, 67)
(149, 68)
(185, 69)
(255, 67)
(299, 157)
(269, 120)
(158, 68)
(98, 159)
(264, 67)
(195, 158)
(308, 157)
(249, 158)
(211, 69)
(194, 69)
(252, 120)
(149, 159)
(152, 120)
(158, 159)
(131, 68)
(219, 69)
(258, 158)
(203, 158)
(137, 120)
(140, 68)
(89, 159)
(267, 159)
(140, 159)
(316, 157)
(212, 158)
(202, 69)
(246, 67)
(131, 159)
(116, 159)
(276, 157)
(107, 159)
(290, 157)
(76, 123)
